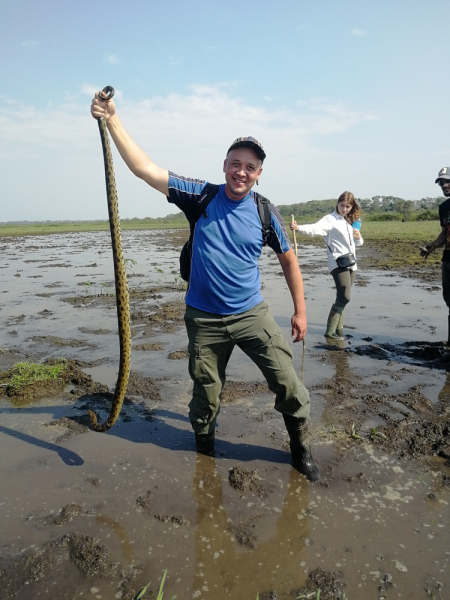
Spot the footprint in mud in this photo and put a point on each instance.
(63, 516)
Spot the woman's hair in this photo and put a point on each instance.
(356, 210)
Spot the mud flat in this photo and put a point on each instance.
(100, 515)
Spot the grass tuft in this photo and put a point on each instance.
(26, 373)
(160, 593)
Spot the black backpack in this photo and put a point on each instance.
(208, 193)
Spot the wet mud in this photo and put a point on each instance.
(73, 550)
(331, 586)
(242, 479)
(101, 515)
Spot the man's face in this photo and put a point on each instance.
(445, 186)
(242, 169)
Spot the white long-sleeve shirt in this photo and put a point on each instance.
(337, 234)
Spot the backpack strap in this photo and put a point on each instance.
(209, 191)
(264, 216)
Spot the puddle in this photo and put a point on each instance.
(101, 515)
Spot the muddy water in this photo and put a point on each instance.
(101, 515)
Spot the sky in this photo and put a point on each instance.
(346, 95)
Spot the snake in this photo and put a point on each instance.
(120, 277)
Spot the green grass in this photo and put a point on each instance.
(160, 596)
(420, 231)
(394, 231)
(392, 245)
(26, 373)
(48, 228)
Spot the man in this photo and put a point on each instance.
(224, 306)
(443, 239)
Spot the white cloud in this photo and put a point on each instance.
(89, 90)
(29, 43)
(358, 32)
(112, 59)
(188, 134)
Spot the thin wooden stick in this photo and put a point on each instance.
(303, 361)
(293, 233)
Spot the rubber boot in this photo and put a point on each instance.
(333, 322)
(340, 326)
(299, 437)
(205, 443)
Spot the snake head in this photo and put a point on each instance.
(107, 93)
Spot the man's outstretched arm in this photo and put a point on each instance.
(294, 279)
(135, 158)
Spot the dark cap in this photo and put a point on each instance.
(444, 173)
(249, 142)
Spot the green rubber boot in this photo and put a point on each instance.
(299, 443)
(340, 326)
(333, 322)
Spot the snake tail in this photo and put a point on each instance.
(122, 295)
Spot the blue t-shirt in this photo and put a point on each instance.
(226, 247)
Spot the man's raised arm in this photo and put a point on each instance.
(135, 158)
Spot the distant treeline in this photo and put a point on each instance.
(378, 208)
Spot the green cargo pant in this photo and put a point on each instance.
(211, 342)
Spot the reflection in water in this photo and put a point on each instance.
(225, 569)
(339, 384)
(339, 359)
(125, 544)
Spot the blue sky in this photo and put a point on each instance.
(343, 95)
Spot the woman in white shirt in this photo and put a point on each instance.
(340, 236)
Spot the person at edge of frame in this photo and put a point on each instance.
(443, 239)
(224, 306)
(339, 231)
